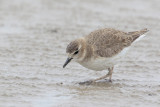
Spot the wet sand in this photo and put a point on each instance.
(33, 38)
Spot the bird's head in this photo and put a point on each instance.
(74, 51)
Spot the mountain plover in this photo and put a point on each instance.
(102, 49)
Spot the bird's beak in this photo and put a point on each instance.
(67, 61)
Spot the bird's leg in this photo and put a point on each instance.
(91, 81)
(107, 75)
(110, 73)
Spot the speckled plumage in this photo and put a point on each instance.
(102, 48)
(109, 42)
(72, 47)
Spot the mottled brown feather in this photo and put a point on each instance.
(73, 46)
(136, 34)
(109, 42)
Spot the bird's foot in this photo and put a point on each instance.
(110, 80)
(86, 82)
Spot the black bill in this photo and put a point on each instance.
(67, 61)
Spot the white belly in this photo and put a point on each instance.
(103, 63)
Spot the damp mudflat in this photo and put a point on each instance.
(33, 38)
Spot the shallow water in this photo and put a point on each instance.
(33, 38)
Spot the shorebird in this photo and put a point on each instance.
(102, 49)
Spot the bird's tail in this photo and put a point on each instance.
(137, 35)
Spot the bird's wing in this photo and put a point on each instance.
(108, 42)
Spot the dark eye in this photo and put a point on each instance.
(76, 52)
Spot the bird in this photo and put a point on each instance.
(102, 49)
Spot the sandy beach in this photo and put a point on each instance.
(33, 38)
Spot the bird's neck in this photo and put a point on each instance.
(86, 51)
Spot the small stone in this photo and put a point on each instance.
(150, 94)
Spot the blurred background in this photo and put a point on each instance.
(33, 38)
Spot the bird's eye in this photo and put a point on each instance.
(76, 52)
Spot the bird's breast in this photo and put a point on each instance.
(98, 64)
(102, 63)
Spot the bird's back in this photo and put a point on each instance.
(109, 42)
